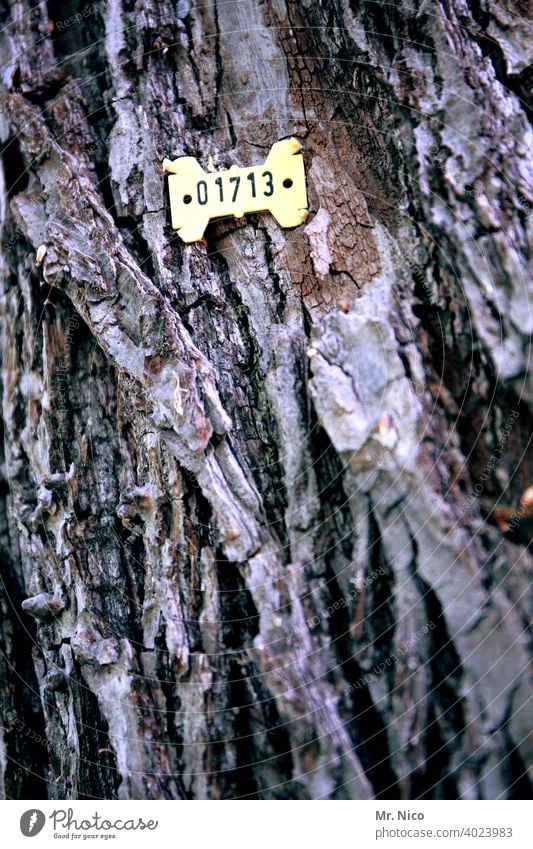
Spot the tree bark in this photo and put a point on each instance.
(257, 492)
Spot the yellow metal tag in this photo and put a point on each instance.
(278, 186)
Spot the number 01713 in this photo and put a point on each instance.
(233, 189)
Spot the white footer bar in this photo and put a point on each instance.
(267, 825)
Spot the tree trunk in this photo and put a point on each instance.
(257, 492)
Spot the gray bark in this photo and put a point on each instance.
(257, 492)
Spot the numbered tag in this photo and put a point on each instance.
(278, 186)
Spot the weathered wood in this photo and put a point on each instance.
(250, 485)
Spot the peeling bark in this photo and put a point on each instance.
(250, 486)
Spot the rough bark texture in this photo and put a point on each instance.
(249, 485)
